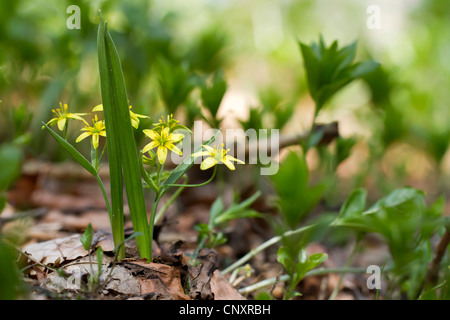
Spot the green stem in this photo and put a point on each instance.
(116, 224)
(196, 185)
(347, 265)
(152, 219)
(263, 246)
(283, 278)
(169, 203)
(66, 127)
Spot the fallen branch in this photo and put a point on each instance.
(433, 270)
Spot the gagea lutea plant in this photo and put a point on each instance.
(114, 121)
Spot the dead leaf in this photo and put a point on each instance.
(222, 288)
(162, 279)
(48, 252)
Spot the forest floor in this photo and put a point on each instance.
(61, 200)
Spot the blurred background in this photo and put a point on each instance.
(397, 116)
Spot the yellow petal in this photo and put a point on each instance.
(165, 132)
(162, 154)
(95, 140)
(176, 137)
(230, 158)
(135, 123)
(210, 149)
(150, 146)
(61, 124)
(52, 121)
(229, 164)
(174, 149)
(208, 163)
(102, 133)
(201, 154)
(98, 108)
(151, 134)
(82, 136)
(75, 116)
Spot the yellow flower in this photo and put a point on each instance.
(216, 155)
(62, 116)
(164, 140)
(134, 116)
(170, 123)
(96, 130)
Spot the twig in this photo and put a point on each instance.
(433, 270)
(285, 277)
(330, 132)
(38, 212)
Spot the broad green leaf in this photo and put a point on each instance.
(11, 157)
(86, 238)
(284, 257)
(296, 197)
(354, 205)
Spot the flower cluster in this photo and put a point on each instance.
(163, 135)
(98, 126)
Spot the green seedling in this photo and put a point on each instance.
(175, 83)
(328, 70)
(297, 264)
(126, 165)
(296, 198)
(404, 221)
(212, 93)
(94, 275)
(211, 235)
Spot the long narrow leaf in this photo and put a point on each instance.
(115, 106)
(72, 151)
(114, 160)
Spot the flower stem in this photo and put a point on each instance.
(169, 202)
(196, 185)
(347, 265)
(263, 246)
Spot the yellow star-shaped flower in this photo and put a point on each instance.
(216, 155)
(62, 116)
(134, 116)
(164, 140)
(96, 130)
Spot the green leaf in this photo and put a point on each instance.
(216, 209)
(296, 197)
(181, 169)
(122, 147)
(119, 245)
(86, 238)
(72, 151)
(145, 175)
(354, 205)
(213, 94)
(113, 145)
(308, 263)
(99, 255)
(239, 211)
(328, 69)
